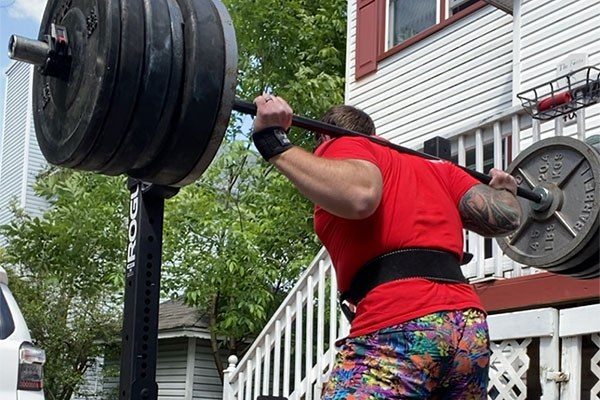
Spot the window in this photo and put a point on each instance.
(456, 6)
(7, 324)
(385, 27)
(407, 18)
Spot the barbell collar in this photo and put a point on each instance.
(28, 50)
(52, 55)
(249, 108)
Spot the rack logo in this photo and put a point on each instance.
(132, 231)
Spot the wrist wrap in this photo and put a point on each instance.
(271, 141)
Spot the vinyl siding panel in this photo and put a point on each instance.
(20, 157)
(207, 384)
(454, 77)
(13, 138)
(34, 204)
(170, 368)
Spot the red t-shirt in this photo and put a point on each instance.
(418, 209)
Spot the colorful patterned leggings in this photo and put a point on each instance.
(444, 355)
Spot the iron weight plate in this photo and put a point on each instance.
(130, 66)
(574, 265)
(594, 267)
(172, 98)
(68, 115)
(227, 97)
(152, 91)
(570, 170)
(201, 96)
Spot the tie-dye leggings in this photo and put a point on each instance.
(444, 355)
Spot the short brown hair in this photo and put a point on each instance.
(348, 117)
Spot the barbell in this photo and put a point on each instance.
(146, 88)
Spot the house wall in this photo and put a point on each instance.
(474, 68)
(101, 381)
(171, 368)
(207, 384)
(449, 79)
(20, 157)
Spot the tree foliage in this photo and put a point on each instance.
(238, 239)
(66, 271)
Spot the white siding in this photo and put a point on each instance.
(12, 139)
(36, 163)
(171, 368)
(20, 157)
(455, 76)
(207, 384)
(551, 31)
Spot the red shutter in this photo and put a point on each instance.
(366, 37)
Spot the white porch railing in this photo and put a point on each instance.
(294, 352)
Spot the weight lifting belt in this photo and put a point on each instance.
(430, 264)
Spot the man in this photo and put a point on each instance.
(392, 223)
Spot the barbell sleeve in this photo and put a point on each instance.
(249, 108)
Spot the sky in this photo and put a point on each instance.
(20, 17)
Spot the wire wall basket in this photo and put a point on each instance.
(563, 95)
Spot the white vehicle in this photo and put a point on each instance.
(21, 363)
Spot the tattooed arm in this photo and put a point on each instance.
(492, 210)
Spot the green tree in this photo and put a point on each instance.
(66, 271)
(238, 239)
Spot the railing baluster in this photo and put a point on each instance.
(581, 124)
(240, 394)
(516, 136)
(479, 240)
(298, 345)
(320, 325)
(249, 381)
(309, 336)
(496, 252)
(267, 370)
(536, 128)
(558, 126)
(287, 353)
(257, 371)
(515, 150)
(332, 316)
(277, 359)
(462, 160)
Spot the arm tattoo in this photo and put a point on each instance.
(489, 212)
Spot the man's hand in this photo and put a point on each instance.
(272, 111)
(502, 180)
(273, 119)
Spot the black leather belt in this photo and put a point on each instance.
(430, 264)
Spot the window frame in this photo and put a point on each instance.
(440, 15)
(443, 21)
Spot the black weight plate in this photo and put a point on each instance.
(570, 170)
(588, 269)
(201, 96)
(172, 97)
(571, 266)
(69, 115)
(227, 97)
(131, 56)
(152, 91)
